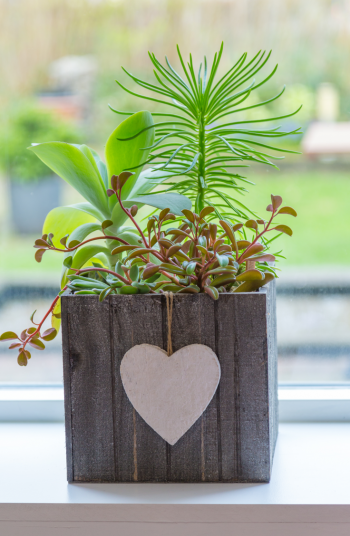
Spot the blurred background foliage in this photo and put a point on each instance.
(63, 56)
(310, 42)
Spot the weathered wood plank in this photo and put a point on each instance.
(228, 422)
(67, 387)
(91, 397)
(252, 385)
(272, 366)
(140, 452)
(195, 456)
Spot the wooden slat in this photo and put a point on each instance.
(90, 388)
(251, 381)
(194, 457)
(140, 452)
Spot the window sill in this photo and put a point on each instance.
(296, 403)
(308, 493)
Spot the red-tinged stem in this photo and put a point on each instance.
(43, 320)
(128, 213)
(90, 240)
(258, 236)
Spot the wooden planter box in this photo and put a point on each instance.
(234, 439)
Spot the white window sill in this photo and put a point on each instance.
(309, 492)
(296, 404)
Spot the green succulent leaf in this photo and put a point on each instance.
(76, 165)
(63, 221)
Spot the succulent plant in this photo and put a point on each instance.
(194, 256)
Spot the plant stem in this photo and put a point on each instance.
(201, 164)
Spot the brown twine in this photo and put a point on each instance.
(169, 309)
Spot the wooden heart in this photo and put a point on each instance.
(170, 392)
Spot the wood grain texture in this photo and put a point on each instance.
(90, 373)
(234, 439)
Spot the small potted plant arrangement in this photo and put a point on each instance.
(168, 322)
(34, 190)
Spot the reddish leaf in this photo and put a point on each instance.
(106, 223)
(31, 330)
(73, 243)
(243, 244)
(163, 213)
(288, 210)
(39, 254)
(37, 344)
(28, 354)
(229, 231)
(269, 208)
(49, 334)
(250, 275)
(212, 292)
(15, 345)
(267, 257)
(256, 248)
(213, 230)
(173, 249)
(22, 359)
(205, 212)
(284, 229)
(237, 227)
(121, 249)
(276, 201)
(133, 210)
(110, 192)
(23, 335)
(123, 177)
(189, 215)
(150, 270)
(114, 182)
(251, 224)
(8, 336)
(41, 242)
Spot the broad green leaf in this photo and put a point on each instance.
(88, 208)
(75, 167)
(84, 254)
(80, 233)
(102, 168)
(64, 220)
(125, 155)
(175, 202)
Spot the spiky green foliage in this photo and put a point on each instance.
(200, 142)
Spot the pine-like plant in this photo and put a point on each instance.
(200, 142)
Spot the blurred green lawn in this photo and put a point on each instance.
(322, 200)
(321, 230)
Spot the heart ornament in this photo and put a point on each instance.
(170, 392)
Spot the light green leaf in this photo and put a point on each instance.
(76, 165)
(124, 155)
(64, 220)
(89, 209)
(102, 168)
(176, 202)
